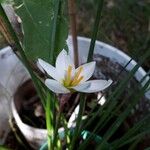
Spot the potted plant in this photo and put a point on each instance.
(61, 88)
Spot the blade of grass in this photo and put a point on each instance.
(118, 91)
(4, 148)
(78, 121)
(95, 29)
(122, 116)
(116, 109)
(90, 113)
(138, 136)
(67, 132)
(115, 95)
(131, 131)
(49, 117)
(102, 122)
(134, 144)
(138, 51)
(58, 120)
(100, 126)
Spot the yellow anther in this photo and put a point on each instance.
(77, 82)
(68, 81)
(69, 73)
(68, 76)
(77, 77)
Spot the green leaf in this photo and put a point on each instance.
(95, 28)
(37, 22)
(4, 148)
(22, 55)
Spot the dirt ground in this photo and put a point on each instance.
(124, 24)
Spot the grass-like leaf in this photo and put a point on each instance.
(123, 115)
(95, 29)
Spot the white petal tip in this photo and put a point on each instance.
(40, 61)
(93, 63)
(63, 52)
(40, 67)
(110, 81)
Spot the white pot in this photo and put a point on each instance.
(12, 73)
(36, 137)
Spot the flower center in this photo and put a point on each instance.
(70, 81)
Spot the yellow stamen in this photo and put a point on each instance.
(69, 73)
(68, 81)
(76, 79)
(68, 76)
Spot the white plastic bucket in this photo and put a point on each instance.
(12, 73)
(37, 137)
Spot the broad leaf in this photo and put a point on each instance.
(37, 22)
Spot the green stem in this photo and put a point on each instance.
(95, 29)
(78, 121)
(58, 119)
(49, 121)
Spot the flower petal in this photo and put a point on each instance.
(55, 86)
(63, 61)
(88, 70)
(40, 67)
(81, 87)
(96, 86)
(50, 70)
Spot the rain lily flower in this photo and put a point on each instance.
(67, 78)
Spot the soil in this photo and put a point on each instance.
(32, 113)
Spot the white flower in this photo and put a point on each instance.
(67, 79)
